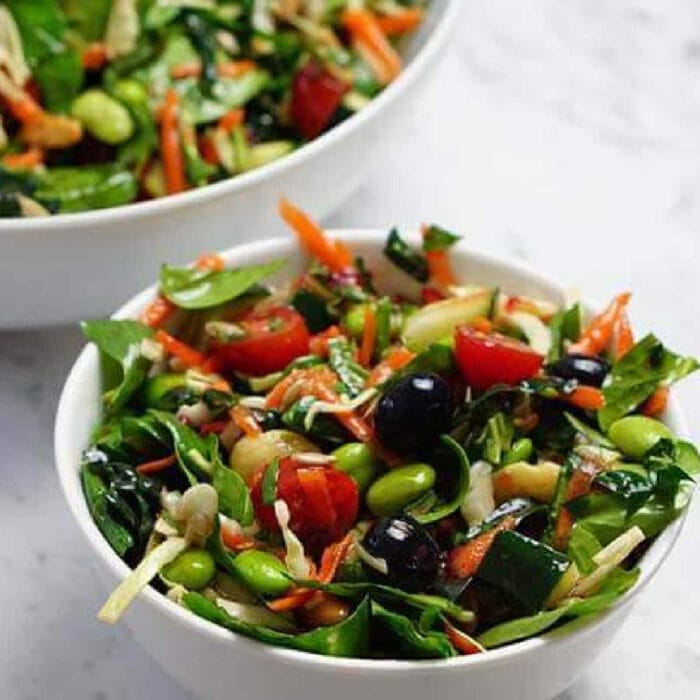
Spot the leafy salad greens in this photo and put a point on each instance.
(327, 468)
(108, 102)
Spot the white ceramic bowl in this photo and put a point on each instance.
(215, 664)
(77, 266)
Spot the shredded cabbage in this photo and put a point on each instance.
(295, 559)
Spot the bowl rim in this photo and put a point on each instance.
(444, 20)
(65, 464)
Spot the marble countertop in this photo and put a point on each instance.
(565, 134)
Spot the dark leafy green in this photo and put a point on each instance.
(313, 309)
(405, 257)
(636, 376)
(436, 238)
(234, 496)
(565, 325)
(191, 288)
(349, 638)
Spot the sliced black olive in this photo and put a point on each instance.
(587, 370)
(413, 413)
(411, 554)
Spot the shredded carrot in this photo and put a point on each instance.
(24, 161)
(157, 465)
(318, 345)
(245, 420)
(234, 69)
(187, 355)
(369, 336)
(402, 21)
(368, 36)
(622, 333)
(589, 398)
(656, 404)
(331, 559)
(580, 483)
(357, 426)
(397, 357)
(24, 109)
(597, 336)
(231, 120)
(94, 56)
(158, 312)
(464, 560)
(461, 641)
(210, 261)
(171, 148)
(440, 268)
(334, 254)
(276, 394)
(230, 69)
(208, 150)
(481, 324)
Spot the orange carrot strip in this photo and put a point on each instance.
(401, 22)
(589, 398)
(622, 333)
(157, 465)
(440, 268)
(94, 56)
(158, 312)
(597, 336)
(464, 560)
(245, 420)
(210, 261)
(461, 641)
(369, 336)
(24, 161)
(482, 324)
(318, 344)
(234, 69)
(187, 355)
(364, 28)
(171, 149)
(276, 394)
(334, 254)
(396, 358)
(186, 70)
(657, 402)
(24, 109)
(232, 119)
(358, 427)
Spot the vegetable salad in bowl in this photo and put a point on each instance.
(329, 466)
(115, 101)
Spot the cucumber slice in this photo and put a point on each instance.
(524, 569)
(435, 321)
(538, 335)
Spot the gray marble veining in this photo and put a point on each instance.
(565, 134)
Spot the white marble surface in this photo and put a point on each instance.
(566, 134)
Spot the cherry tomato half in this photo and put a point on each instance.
(322, 502)
(485, 360)
(316, 95)
(271, 342)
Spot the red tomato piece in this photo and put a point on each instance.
(271, 342)
(322, 501)
(428, 295)
(485, 360)
(316, 95)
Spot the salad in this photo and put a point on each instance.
(324, 466)
(108, 102)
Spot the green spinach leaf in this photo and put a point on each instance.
(341, 360)
(234, 496)
(349, 638)
(190, 288)
(635, 377)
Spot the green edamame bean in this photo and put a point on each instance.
(354, 320)
(636, 435)
(155, 389)
(130, 92)
(521, 451)
(105, 118)
(262, 572)
(399, 487)
(193, 569)
(357, 460)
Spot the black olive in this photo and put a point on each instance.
(411, 554)
(590, 371)
(413, 413)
